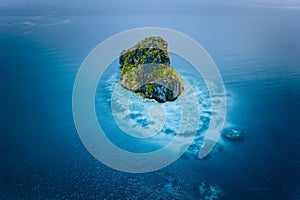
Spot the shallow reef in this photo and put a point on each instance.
(232, 134)
(209, 191)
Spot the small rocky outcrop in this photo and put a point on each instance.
(232, 134)
(146, 69)
(209, 191)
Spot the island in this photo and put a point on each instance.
(146, 69)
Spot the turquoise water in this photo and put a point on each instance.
(139, 107)
(257, 51)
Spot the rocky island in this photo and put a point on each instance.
(146, 69)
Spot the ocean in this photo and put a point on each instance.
(256, 49)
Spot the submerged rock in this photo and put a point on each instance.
(209, 191)
(232, 134)
(146, 69)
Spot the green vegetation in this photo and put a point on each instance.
(130, 79)
(152, 42)
(149, 89)
(149, 50)
(127, 68)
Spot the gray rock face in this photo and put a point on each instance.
(160, 92)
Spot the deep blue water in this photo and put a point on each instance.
(257, 51)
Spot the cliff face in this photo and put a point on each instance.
(146, 69)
